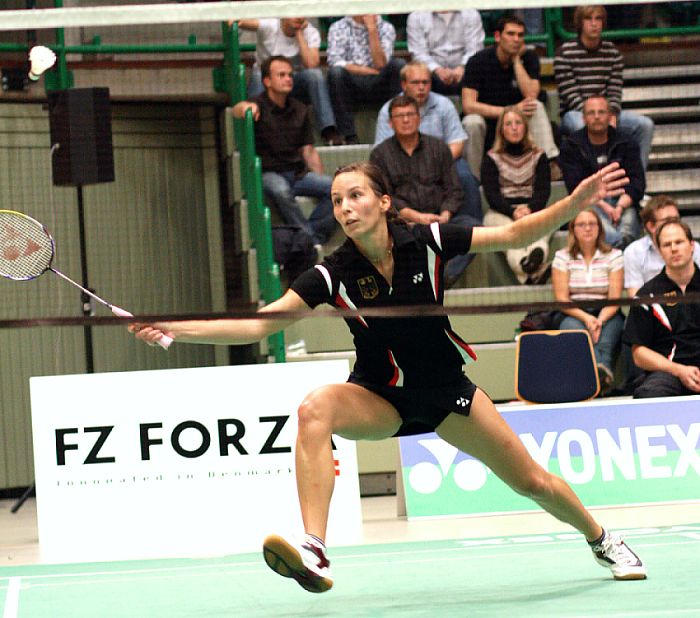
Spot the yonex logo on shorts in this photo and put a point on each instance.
(462, 402)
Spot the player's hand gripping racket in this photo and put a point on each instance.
(27, 250)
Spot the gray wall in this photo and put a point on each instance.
(154, 244)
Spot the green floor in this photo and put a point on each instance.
(510, 576)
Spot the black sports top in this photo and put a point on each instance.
(396, 351)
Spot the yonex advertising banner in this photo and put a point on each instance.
(611, 453)
(178, 462)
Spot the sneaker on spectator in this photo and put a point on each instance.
(532, 261)
(331, 137)
(351, 140)
(305, 562)
(605, 377)
(612, 552)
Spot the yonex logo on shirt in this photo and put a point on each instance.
(418, 277)
(462, 402)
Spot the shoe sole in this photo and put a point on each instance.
(631, 576)
(286, 561)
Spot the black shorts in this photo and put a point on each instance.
(423, 409)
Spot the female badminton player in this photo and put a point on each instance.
(408, 376)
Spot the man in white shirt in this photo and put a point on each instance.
(296, 39)
(642, 258)
(444, 41)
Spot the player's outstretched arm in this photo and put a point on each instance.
(225, 332)
(607, 182)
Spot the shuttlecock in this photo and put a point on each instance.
(41, 58)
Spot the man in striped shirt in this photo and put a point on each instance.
(590, 66)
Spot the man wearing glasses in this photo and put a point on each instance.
(439, 118)
(422, 180)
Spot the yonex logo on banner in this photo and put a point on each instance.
(613, 453)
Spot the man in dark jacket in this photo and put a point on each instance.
(593, 147)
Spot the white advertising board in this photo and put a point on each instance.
(178, 462)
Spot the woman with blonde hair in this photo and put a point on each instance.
(590, 269)
(515, 175)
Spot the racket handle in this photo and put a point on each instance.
(164, 342)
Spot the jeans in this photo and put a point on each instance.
(442, 88)
(660, 384)
(470, 187)
(347, 88)
(610, 336)
(310, 87)
(628, 228)
(280, 189)
(457, 265)
(639, 127)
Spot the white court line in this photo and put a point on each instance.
(12, 598)
(343, 561)
(151, 574)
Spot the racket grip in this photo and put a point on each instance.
(164, 342)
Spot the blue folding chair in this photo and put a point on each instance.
(555, 366)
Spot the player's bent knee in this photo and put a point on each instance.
(314, 410)
(534, 484)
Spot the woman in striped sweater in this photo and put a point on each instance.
(515, 176)
(589, 269)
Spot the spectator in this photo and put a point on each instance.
(421, 179)
(499, 76)
(439, 118)
(284, 141)
(589, 269)
(298, 41)
(444, 41)
(665, 339)
(590, 66)
(515, 178)
(361, 66)
(642, 258)
(593, 147)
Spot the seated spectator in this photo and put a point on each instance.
(642, 258)
(360, 67)
(590, 66)
(421, 179)
(444, 41)
(593, 147)
(515, 178)
(284, 142)
(496, 77)
(296, 39)
(439, 118)
(665, 338)
(589, 269)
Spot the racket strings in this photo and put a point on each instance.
(26, 249)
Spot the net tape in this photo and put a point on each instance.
(410, 311)
(120, 15)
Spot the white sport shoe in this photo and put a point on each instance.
(613, 553)
(305, 562)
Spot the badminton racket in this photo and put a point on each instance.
(27, 252)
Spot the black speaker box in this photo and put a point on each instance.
(81, 136)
